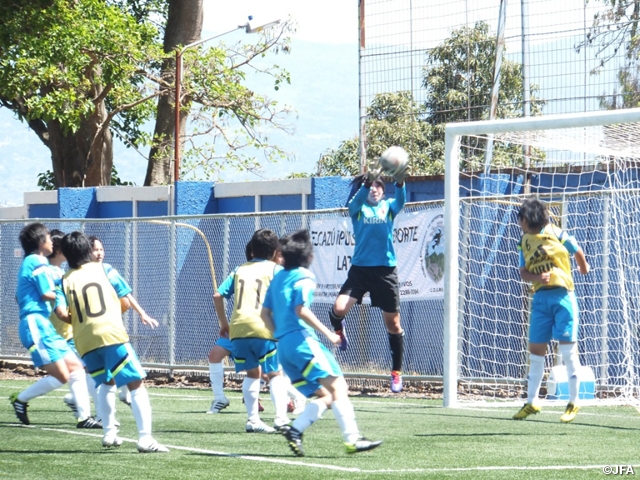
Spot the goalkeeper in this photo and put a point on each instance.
(544, 261)
(373, 266)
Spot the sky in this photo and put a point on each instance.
(324, 93)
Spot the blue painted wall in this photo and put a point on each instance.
(274, 203)
(78, 203)
(153, 209)
(45, 210)
(115, 209)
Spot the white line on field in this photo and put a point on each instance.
(299, 463)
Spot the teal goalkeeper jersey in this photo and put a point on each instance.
(373, 228)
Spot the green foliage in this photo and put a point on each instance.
(57, 62)
(46, 180)
(457, 77)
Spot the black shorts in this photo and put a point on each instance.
(380, 282)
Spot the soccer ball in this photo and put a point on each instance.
(393, 160)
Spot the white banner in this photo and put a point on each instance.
(419, 243)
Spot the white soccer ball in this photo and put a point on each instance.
(393, 160)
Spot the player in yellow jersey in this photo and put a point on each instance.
(545, 251)
(102, 341)
(254, 348)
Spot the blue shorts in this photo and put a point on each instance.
(306, 360)
(114, 361)
(554, 314)
(41, 339)
(227, 344)
(250, 353)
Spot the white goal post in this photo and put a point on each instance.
(586, 166)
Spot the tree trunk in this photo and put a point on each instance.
(76, 163)
(184, 26)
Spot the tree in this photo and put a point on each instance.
(79, 72)
(613, 31)
(457, 77)
(392, 119)
(59, 61)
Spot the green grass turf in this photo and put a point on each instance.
(421, 440)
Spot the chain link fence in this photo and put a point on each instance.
(174, 265)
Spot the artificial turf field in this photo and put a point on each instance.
(421, 440)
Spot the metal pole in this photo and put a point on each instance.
(176, 134)
(495, 89)
(363, 116)
(526, 100)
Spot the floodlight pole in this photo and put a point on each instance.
(249, 27)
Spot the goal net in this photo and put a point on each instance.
(586, 168)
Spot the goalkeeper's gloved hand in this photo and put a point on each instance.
(400, 175)
(373, 173)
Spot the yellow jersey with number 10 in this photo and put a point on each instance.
(544, 252)
(94, 307)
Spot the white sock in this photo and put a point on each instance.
(124, 395)
(572, 362)
(534, 379)
(346, 417)
(293, 392)
(141, 407)
(216, 375)
(78, 387)
(93, 391)
(312, 412)
(251, 392)
(280, 399)
(106, 408)
(41, 387)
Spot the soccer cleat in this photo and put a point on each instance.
(344, 341)
(152, 447)
(280, 424)
(69, 402)
(362, 445)
(396, 381)
(218, 405)
(525, 411)
(20, 408)
(570, 413)
(294, 439)
(299, 406)
(111, 442)
(89, 422)
(258, 427)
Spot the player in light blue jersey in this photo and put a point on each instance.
(373, 266)
(49, 351)
(312, 368)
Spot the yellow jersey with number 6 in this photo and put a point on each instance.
(545, 252)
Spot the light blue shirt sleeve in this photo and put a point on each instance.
(118, 283)
(226, 288)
